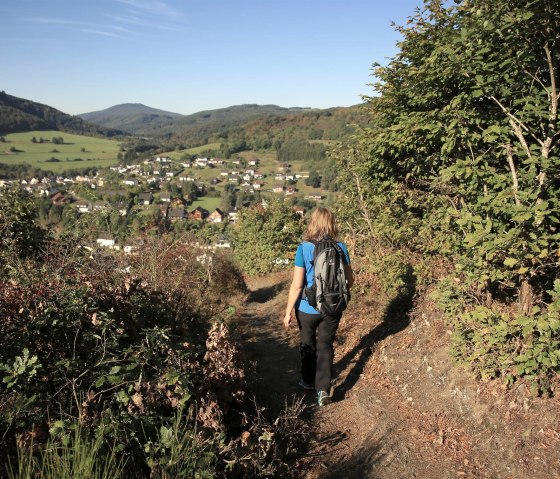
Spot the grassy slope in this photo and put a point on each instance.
(99, 152)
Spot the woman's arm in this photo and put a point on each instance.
(349, 272)
(294, 294)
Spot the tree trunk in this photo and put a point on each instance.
(525, 297)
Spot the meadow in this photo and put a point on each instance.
(77, 151)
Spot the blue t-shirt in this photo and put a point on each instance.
(304, 259)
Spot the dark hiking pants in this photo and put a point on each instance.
(317, 334)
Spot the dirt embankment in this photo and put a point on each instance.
(401, 409)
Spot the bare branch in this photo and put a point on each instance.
(517, 126)
(363, 206)
(515, 181)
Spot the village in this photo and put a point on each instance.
(169, 189)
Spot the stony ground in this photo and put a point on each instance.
(401, 409)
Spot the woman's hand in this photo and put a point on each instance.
(287, 320)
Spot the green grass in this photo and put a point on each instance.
(176, 155)
(207, 203)
(99, 152)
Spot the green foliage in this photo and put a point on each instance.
(17, 114)
(179, 451)
(80, 457)
(19, 233)
(498, 344)
(296, 150)
(314, 179)
(460, 159)
(264, 234)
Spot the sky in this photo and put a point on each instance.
(186, 56)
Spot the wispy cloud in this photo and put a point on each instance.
(100, 32)
(137, 21)
(155, 7)
(116, 31)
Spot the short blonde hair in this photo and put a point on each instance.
(321, 224)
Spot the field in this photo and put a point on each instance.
(176, 155)
(206, 202)
(77, 151)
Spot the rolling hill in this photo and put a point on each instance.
(20, 115)
(132, 117)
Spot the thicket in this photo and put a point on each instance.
(459, 170)
(122, 366)
(266, 237)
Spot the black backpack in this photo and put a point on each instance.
(329, 292)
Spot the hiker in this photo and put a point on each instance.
(317, 329)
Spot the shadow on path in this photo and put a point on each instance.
(395, 319)
(265, 294)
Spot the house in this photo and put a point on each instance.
(145, 198)
(223, 243)
(169, 174)
(163, 160)
(314, 197)
(257, 185)
(233, 213)
(100, 206)
(176, 214)
(278, 189)
(198, 214)
(59, 199)
(254, 162)
(290, 191)
(298, 210)
(224, 173)
(130, 182)
(217, 216)
(165, 198)
(233, 179)
(84, 206)
(106, 240)
(200, 188)
(202, 162)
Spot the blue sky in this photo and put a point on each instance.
(191, 55)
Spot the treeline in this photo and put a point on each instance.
(18, 115)
(458, 173)
(271, 130)
(296, 150)
(26, 171)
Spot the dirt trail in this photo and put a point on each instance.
(400, 410)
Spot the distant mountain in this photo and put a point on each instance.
(132, 117)
(18, 114)
(146, 121)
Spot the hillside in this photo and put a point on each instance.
(262, 126)
(239, 122)
(19, 115)
(131, 117)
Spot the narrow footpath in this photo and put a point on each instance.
(398, 412)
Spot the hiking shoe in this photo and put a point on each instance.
(323, 398)
(306, 386)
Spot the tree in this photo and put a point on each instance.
(313, 180)
(20, 233)
(461, 159)
(263, 234)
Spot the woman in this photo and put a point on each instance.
(317, 331)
